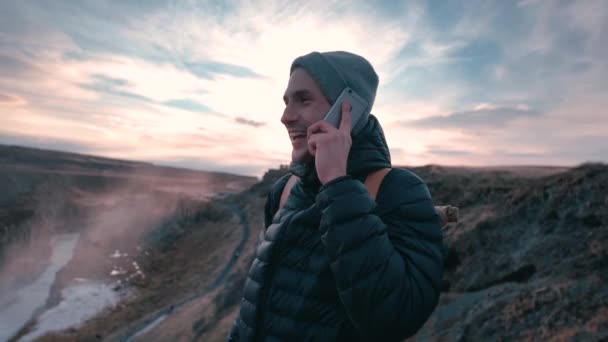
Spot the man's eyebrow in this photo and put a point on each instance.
(298, 93)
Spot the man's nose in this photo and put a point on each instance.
(289, 115)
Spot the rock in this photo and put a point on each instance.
(528, 264)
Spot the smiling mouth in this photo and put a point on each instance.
(297, 137)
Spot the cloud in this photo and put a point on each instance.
(249, 122)
(447, 152)
(483, 117)
(4, 98)
(113, 86)
(187, 104)
(11, 66)
(11, 100)
(112, 72)
(210, 68)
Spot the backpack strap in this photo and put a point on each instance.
(372, 183)
(286, 190)
(374, 180)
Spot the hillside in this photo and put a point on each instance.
(108, 205)
(22, 169)
(527, 260)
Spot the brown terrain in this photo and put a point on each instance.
(526, 259)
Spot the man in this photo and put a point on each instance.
(333, 264)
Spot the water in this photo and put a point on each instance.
(23, 302)
(79, 303)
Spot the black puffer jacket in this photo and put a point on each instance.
(333, 265)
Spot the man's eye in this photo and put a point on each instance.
(304, 99)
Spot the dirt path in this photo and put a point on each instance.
(153, 319)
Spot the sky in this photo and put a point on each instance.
(199, 84)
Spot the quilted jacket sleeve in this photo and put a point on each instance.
(388, 268)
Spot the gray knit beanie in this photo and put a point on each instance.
(336, 70)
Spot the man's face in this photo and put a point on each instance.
(305, 104)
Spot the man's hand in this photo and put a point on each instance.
(331, 145)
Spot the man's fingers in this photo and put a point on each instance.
(345, 122)
(312, 145)
(320, 126)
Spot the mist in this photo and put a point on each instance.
(84, 239)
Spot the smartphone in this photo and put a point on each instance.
(359, 111)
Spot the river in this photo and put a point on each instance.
(79, 302)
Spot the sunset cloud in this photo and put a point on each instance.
(10, 100)
(199, 84)
(250, 122)
(480, 117)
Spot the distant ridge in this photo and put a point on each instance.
(56, 159)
